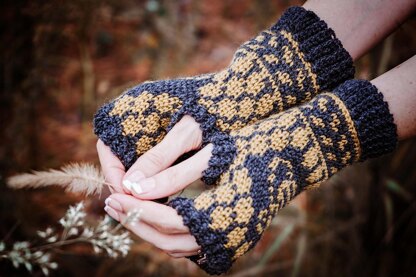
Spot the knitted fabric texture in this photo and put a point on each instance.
(283, 66)
(279, 157)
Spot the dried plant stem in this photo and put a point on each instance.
(65, 241)
(103, 237)
(59, 244)
(82, 178)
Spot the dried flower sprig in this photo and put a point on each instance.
(75, 177)
(104, 237)
(22, 254)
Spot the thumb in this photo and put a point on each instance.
(173, 179)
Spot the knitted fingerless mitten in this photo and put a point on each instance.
(279, 157)
(281, 67)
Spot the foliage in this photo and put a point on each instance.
(103, 237)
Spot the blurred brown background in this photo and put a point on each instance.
(59, 60)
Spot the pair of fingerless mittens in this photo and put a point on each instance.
(257, 165)
(283, 66)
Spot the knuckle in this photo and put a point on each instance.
(162, 226)
(172, 176)
(197, 138)
(187, 124)
(155, 157)
(192, 126)
(166, 246)
(166, 229)
(186, 134)
(188, 120)
(174, 255)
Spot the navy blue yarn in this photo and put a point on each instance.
(219, 259)
(334, 134)
(108, 129)
(330, 61)
(373, 121)
(377, 135)
(223, 150)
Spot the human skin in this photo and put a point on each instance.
(160, 225)
(359, 24)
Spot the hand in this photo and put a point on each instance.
(159, 224)
(111, 166)
(151, 176)
(184, 137)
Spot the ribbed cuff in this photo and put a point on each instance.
(331, 63)
(373, 121)
(217, 259)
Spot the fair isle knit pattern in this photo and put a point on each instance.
(283, 66)
(277, 158)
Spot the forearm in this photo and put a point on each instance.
(399, 89)
(360, 24)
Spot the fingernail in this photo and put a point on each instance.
(107, 201)
(127, 185)
(111, 212)
(113, 204)
(144, 186)
(132, 179)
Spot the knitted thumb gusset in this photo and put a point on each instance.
(281, 67)
(279, 157)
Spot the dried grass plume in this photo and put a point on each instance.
(75, 177)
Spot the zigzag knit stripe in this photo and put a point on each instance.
(277, 158)
(282, 67)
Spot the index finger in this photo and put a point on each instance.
(112, 167)
(161, 217)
